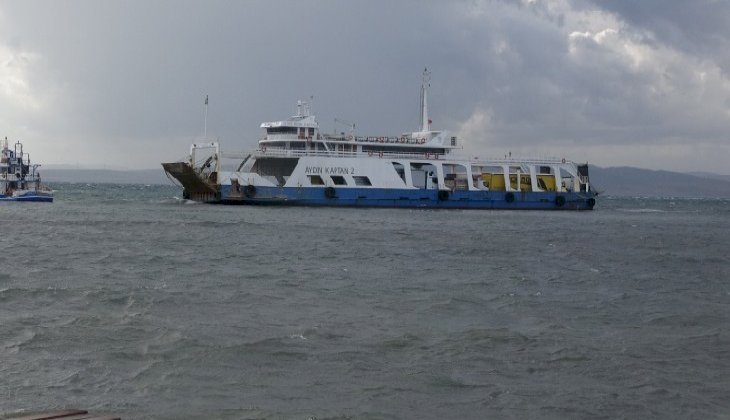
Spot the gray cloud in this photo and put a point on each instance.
(122, 83)
(697, 28)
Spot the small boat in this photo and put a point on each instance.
(297, 164)
(19, 180)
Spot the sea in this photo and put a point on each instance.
(129, 300)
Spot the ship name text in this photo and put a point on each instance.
(329, 170)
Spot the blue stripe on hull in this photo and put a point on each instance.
(33, 198)
(379, 197)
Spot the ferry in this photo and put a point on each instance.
(296, 163)
(19, 180)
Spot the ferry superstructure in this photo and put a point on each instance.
(297, 164)
(19, 180)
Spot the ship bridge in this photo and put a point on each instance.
(302, 126)
(300, 135)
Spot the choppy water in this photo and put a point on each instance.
(126, 300)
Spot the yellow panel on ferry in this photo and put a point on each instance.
(546, 182)
(495, 182)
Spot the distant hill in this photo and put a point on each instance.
(627, 181)
(621, 181)
(711, 175)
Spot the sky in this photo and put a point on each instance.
(121, 84)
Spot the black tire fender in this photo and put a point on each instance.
(249, 191)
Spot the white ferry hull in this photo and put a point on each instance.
(388, 189)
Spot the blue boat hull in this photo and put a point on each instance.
(28, 198)
(406, 198)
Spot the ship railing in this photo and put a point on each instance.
(400, 140)
(527, 161)
(275, 152)
(351, 138)
(278, 152)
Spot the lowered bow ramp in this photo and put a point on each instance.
(195, 187)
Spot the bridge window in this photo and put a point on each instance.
(281, 130)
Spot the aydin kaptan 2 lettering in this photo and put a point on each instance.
(329, 170)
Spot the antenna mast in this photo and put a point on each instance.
(205, 126)
(425, 122)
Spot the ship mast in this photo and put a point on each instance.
(425, 122)
(205, 123)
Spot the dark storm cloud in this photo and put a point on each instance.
(595, 80)
(122, 83)
(700, 27)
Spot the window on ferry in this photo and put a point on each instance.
(400, 170)
(315, 180)
(281, 130)
(339, 180)
(476, 176)
(362, 181)
(568, 181)
(420, 175)
(311, 132)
